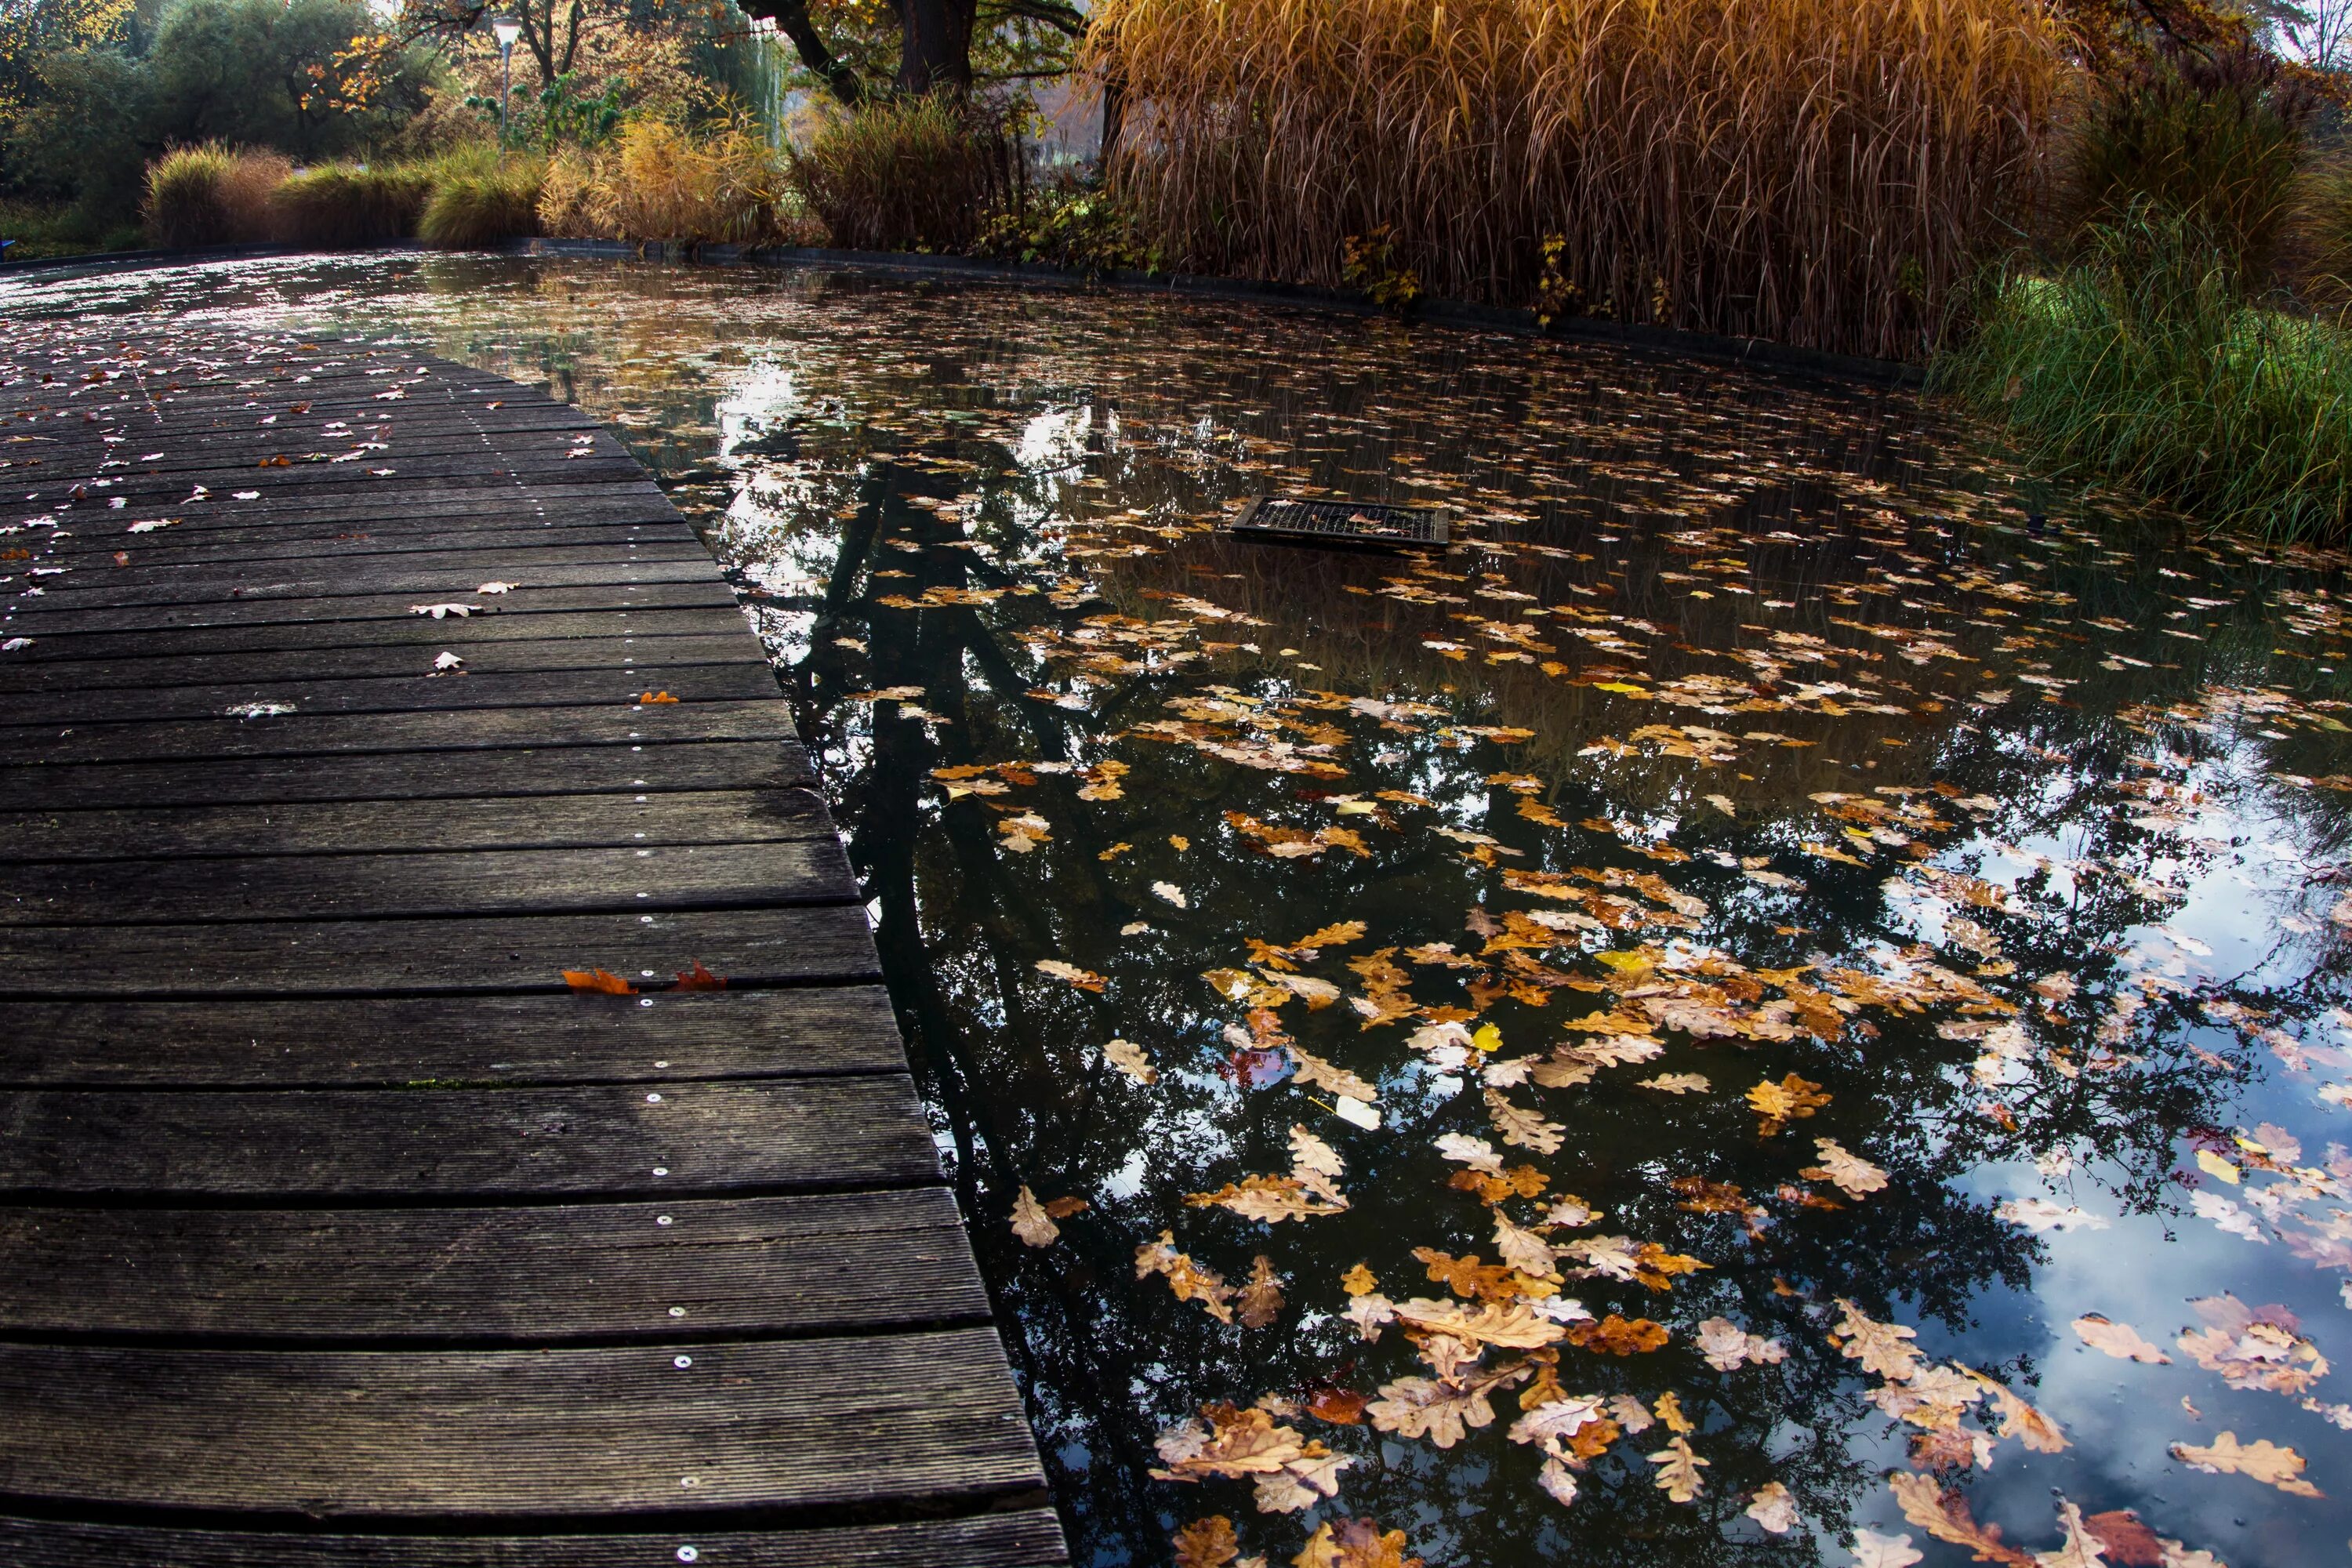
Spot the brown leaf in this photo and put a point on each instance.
(1354, 1543)
(1340, 1406)
(700, 979)
(1063, 1208)
(1945, 1515)
(602, 980)
(2120, 1341)
(2264, 1461)
(1207, 1544)
(1030, 1221)
(1261, 1299)
(648, 699)
(2125, 1539)
(1613, 1335)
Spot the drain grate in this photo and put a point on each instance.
(1342, 525)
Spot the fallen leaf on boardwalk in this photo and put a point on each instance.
(445, 660)
(1030, 1221)
(602, 980)
(439, 611)
(1260, 1302)
(1851, 1174)
(1678, 1473)
(1269, 1198)
(1188, 1279)
(1872, 1550)
(1774, 1507)
(1778, 1104)
(1083, 979)
(700, 979)
(498, 587)
(1128, 1057)
(650, 699)
(2263, 1461)
(1207, 1544)
(1354, 1543)
(2120, 1341)
(1945, 1515)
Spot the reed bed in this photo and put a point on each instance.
(1813, 171)
(212, 193)
(662, 182)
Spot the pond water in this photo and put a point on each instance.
(1769, 1000)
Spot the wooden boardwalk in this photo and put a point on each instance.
(334, 1228)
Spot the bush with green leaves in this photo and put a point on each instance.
(922, 173)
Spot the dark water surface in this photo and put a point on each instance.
(1728, 982)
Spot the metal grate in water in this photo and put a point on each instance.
(1342, 525)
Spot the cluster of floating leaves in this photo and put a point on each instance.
(1538, 1020)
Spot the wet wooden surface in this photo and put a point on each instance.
(338, 1230)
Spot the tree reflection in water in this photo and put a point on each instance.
(2016, 843)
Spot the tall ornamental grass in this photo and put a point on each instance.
(661, 182)
(212, 194)
(2144, 360)
(927, 174)
(1820, 172)
(479, 201)
(350, 206)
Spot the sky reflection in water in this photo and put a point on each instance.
(1750, 775)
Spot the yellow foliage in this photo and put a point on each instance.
(659, 181)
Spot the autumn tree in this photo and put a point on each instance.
(943, 46)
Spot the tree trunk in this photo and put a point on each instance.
(935, 46)
(792, 19)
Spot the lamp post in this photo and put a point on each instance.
(506, 29)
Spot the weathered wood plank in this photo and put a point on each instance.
(1029, 1538)
(424, 1145)
(428, 578)
(269, 604)
(616, 768)
(316, 1042)
(852, 1261)
(407, 630)
(550, 1433)
(415, 957)
(382, 826)
(508, 657)
(458, 729)
(621, 679)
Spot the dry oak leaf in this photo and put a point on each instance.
(2253, 1347)
(1444, 1411)
(1083, 979)
(1727, 1346)
(1354, 1543)
(1677, 1083)
(2023, 1421)
(700, 979)
(1774, 1507)
(2263, 1461)
(1290, 1474)
(1261, 1299)
(1031, 1223)
(1523, 1128)
(1872, 1550)
(1522, 1248)
(1945, 1515)
(1270, 1198)
(1851, 1174)
(1613, 1335)
(1476, 1152)
(1513, 1326)
(1678, 1473)
(650, 699)
(1128, 1057)
(2080, 1548)
(2120, 1341)
(1312, 1153)
(1207, 1544)
(1778, 1104)
(602, 980)
(1314, 1069)
(1360, 1281)
(1884, 1348)
(1188, 1279)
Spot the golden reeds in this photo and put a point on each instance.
(1818, 172)
(660, 180)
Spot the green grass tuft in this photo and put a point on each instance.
(2143, 360)
(212, 194)
(478, 202)
(352, 206)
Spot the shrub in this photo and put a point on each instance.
(212, 194)
(1815, 171)
(478, 203)
(2217, 140)
(1067, 223)
(350, 206)
(661, 182)
(922, 174)
(2144, 360)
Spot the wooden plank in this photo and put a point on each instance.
(420, 691)
(425, 579)
(427, 1145)
(854, 1261)
(260, 607)
(421, 957)
(1029, 1538)
(337, 538)
(411, 1042)
(407, 630)
(400, 886)
(458, 729)
(618, 768)
(510, 656)
(553, 1434)
(380, 826)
